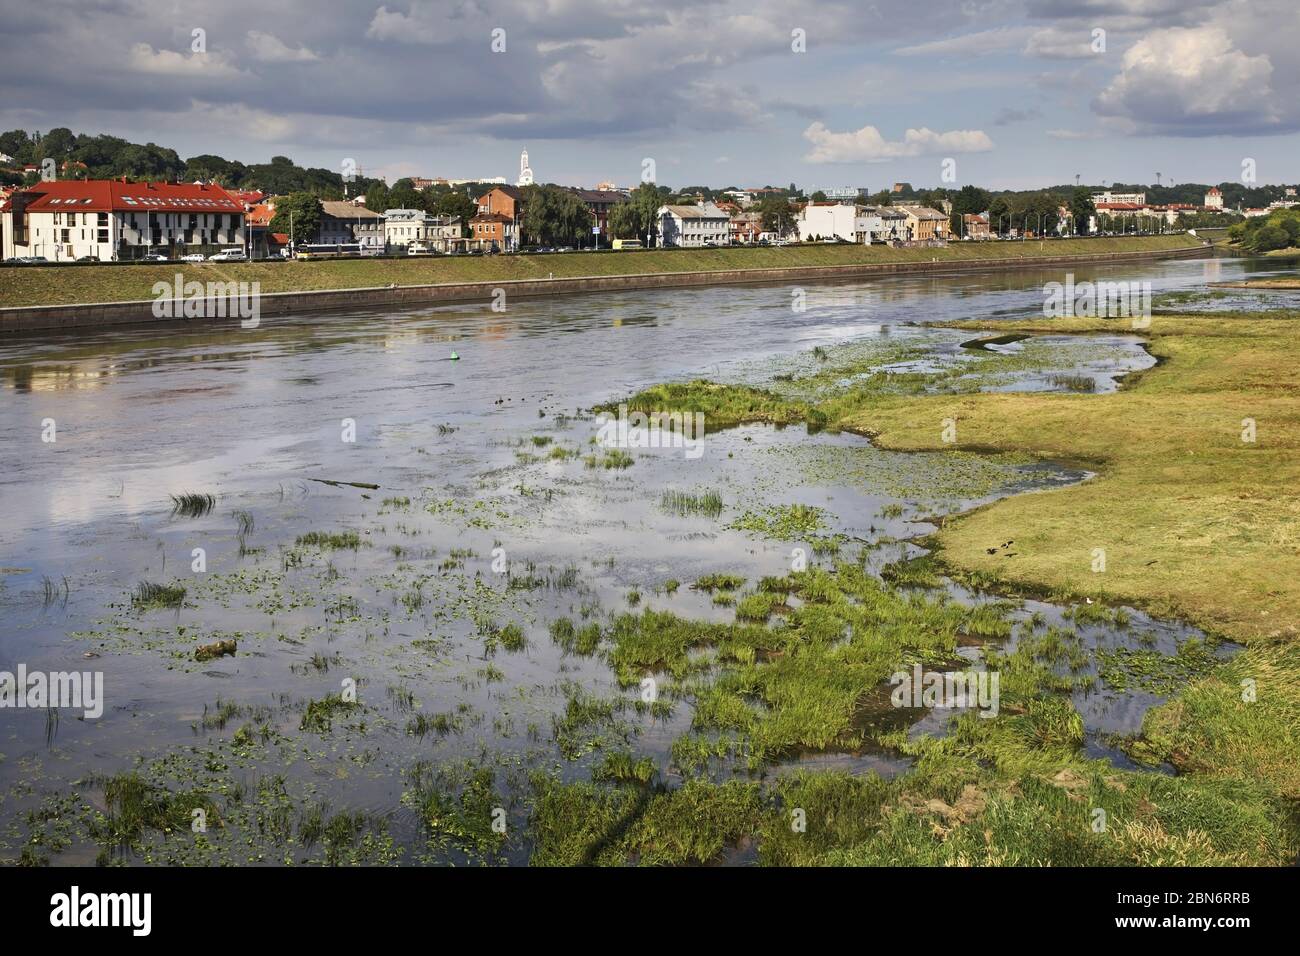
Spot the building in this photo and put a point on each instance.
(505, 201)
(1121, 210)
(745, 227)
(974, 226)
(525, 171)
(844, 193)
(342, 223)
(599, 202)
(901, 188)
(405, 226)
(420, 184)
(257, 221)
(113, 219)
(1214, 199)
(692, 226)
(1110, 198)
(1173, 210)
(827, 220)
(494, 232)
(925, 224)
(249, 197)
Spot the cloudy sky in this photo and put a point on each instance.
(1018, 93)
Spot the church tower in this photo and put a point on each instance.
(525, 171)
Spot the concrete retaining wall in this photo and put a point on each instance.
(97, 315)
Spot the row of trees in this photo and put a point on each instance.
(107, 157)
(438, 200)
(1278, 230)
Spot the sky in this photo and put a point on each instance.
(1005, 94)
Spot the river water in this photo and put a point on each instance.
(476, 522)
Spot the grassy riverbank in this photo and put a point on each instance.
(1194, 522)
(29, 285)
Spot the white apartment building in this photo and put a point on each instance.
(828, 221)
(1110, 198)
(853, 223)
(693, 225)
(405, 226)
(111, 219)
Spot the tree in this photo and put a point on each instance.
(1270, 237)
(298, 215)
(818, 196)
(1082, 209)
(969, 200)
(457, 204)
(999, 209)
(18, 144)
(554, 216)
(377, 197)
(57, 144)
(625, 221)
(777, 215)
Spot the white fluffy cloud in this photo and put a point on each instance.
(868, 145)
(269, 48)
(1185, 78)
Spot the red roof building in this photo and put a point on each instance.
(113, 219)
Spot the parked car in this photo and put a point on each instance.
(155, 257)
(194, 257)
(87, 258)
(229, 255)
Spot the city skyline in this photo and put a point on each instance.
(1015, 95)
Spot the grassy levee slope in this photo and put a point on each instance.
(31, 285)
(1195, 522)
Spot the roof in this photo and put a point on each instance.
(923, 212)
(514, 192)
(491, 217)
(600, 195)
(260, 215)
(696, 212)
(1119, 205)
(342, 209)
(113, 195)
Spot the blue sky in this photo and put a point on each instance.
(1016, 94)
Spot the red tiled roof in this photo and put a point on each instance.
(113, 195)
(260, 215)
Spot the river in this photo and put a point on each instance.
(477, 520)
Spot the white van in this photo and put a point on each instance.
(229, 255)
(414, 248)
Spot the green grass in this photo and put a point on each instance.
(330, 540)
(318, 717)
(148, 595)
(65, 285)
(683, 504)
